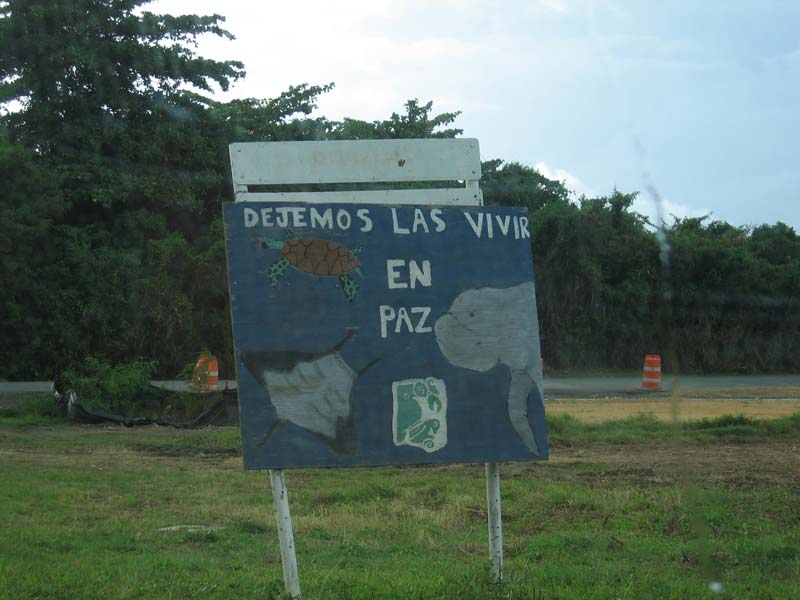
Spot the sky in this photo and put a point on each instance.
(695, 105)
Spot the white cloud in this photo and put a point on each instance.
(558, 6)
(576, 79)
(573, 182)
(652, 208)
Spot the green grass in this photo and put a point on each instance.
(32, 409)
(567, 430)
(563, 429)
(83, 508)
(175, 407)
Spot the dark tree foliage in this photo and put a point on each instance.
(268, 120)
(417, 122)
(114, 165)
(596, 270)
(117, 166)
(514, 184)
(596, 267)
(711, 296)
(735, 296)
(106, 96)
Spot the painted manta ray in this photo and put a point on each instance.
(311, 390)
(487, 326)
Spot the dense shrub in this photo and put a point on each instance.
(119, 389)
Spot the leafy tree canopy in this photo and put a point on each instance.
(417, 122)
(515, 184)
(111, 96)
(268, 120)
(76, 59)
(114, 162)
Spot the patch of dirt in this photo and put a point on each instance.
(747, 463)
(179, 451)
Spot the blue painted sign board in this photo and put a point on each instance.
(376, 335)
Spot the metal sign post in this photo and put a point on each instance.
(350, 281)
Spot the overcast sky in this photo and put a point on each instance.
(696, 103)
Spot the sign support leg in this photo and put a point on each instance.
(495, 520)
(280, 497)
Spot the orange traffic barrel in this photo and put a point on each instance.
(651, 374)
(206, 374)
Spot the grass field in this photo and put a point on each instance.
(663, 407)
(635, 508)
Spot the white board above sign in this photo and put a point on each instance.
(288, 163)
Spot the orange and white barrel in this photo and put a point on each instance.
(651, 374)
(206, 374)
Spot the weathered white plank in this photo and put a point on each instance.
(440, 197)
(495, 519)
(280, 497)
(286, 163)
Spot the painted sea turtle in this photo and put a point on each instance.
(315, 256)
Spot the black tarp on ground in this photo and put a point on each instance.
(223, 412)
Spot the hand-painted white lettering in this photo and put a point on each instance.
(504, 223)
(477, 226)
(363, 214)
(419, 221)
(396, 225)
(423, 222)
(283, 216)
(437, 219)
(387, 314)
(299, 217)
(250, 217)
(323, 220)
(393, 275)
(403, 320)
(266, 217)
(417, 275)
(483, 225)
(421, 326)
(523, 225)
(343, 219)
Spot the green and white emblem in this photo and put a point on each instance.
(420, 413)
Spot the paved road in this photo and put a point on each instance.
(11, 390)
(558, 386)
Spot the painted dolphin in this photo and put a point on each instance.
(311, 390)
(487, 326)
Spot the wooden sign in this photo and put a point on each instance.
(374, 335)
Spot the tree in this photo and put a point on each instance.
(75, 61)
(110, 147)
(417, 122)
(777, 244)
(274, 119)
(514, 184)
(31, 202)
(110, 96)
(735, 296)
